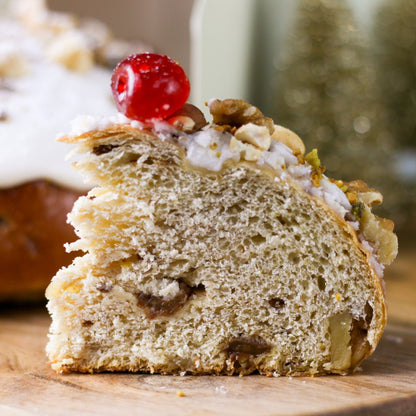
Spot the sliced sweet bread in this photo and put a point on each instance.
(217, 249)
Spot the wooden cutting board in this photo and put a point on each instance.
(385, 386)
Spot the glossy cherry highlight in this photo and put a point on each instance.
(149, 85)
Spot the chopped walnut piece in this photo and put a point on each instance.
(237, 113)
(247, 151)
(289, 138)
(364, 193)
(258, 136)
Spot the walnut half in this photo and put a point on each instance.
(236, 113)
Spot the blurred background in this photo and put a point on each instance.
(341, 73)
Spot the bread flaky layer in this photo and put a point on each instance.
(190, 271)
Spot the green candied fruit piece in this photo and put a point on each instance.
(313, 159)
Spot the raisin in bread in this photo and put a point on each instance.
(217, 249)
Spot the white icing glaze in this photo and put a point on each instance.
(85, 123)
(209, 149)
(38, 105)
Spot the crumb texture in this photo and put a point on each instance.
(203, 273)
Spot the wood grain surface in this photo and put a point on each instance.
(385, 386)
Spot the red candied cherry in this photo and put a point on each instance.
(149, 85)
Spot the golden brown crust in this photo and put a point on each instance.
(33, 230)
